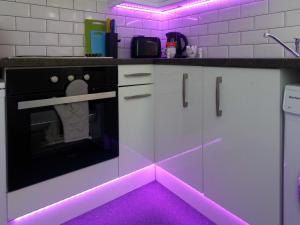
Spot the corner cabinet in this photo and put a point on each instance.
(178, 122)
(242, 135)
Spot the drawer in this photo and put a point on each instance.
(135, 74)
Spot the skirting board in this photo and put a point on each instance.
(197, 200)
(67, 209)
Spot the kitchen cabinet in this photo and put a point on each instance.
(136, 125)
(243, 150)
(3, 209)
(152, 3)
(178, 126)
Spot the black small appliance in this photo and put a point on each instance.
(145, 47)
(181, 43)
(37, 149)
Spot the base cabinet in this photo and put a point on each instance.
(136, 125)
(178, 122)
(242, 168)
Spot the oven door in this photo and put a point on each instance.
(48, 137)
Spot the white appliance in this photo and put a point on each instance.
(3, 210)
(291, 107)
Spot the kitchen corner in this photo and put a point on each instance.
(169, 112)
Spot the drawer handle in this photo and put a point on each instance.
(138, 75)
(219, 112)
(137, 96)
(184, 101)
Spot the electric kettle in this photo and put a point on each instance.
(181, 43)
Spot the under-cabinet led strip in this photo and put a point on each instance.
(141, 8)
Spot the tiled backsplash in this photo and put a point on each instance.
(237, 31)
(55, 27)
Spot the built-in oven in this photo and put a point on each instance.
(59, 120)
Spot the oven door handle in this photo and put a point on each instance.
(65, 100)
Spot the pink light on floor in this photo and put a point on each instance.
(173, 9)
(81, 196)
(165, 176)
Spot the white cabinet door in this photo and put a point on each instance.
(242, 154)
(3, 209)
(136, 121)
(178, 127)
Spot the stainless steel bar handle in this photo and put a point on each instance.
(299, 188)
(65, 100)
(219, 112)
(138, 75)
(184, 101)
(137, 96)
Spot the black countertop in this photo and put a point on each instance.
(22, 62)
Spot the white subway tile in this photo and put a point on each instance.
(44, 12)
(7, 23)
(79, 51)
(230, 13)
(43, 39)
(218, 52)
(61, 3)
(86, 5)
(284, 5)
(219, 27)
(253, 37)
(71, 15)
(268, 51)
(134, 22)
(14, 9)
(70, 40)
(78, 28)
(269, 21)
(150, 24)
(59, 51)
(146, 32)
(208, 17)
(29, 24)
(199, 30)
(36, 2)
(7, 50)
(59, 27)
(292, 18)
(241, 24)
(229, 39)
(14, 37)
(125, 31)
(30, 51)
(241, 51)
(95, 16)
(193, 40)
(255, 8)
(209, 40)
(189, 20)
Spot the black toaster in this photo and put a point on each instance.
(145, 47)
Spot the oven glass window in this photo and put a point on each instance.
(59, 139)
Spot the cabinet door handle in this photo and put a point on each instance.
(299, 188)
(218, 97)
(137, 96)
(184, 79)
(138, 75)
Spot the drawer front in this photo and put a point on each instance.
(135, 74)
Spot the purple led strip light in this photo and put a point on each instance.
(141, 8)
(151, 167)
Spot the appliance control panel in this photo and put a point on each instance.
(291, 102)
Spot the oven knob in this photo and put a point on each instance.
(87, 77)
(71, 78)
(54, 79)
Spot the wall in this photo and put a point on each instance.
(55, 27)
(237, 30)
